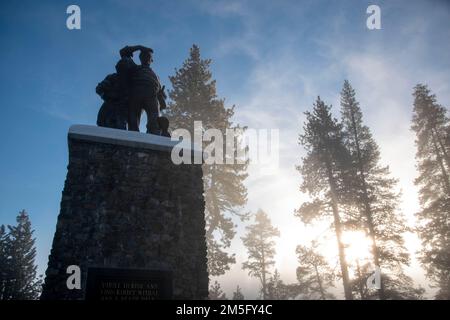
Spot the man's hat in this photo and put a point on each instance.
(145, 53)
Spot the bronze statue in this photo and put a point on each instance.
(113, 110)
(130, 90)
(163, 124)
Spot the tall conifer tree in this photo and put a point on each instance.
(261, 249)
(238, 295)
(374, 196)
(19, 279)
(4, 262)
(314, 275)
(194, 98)
(324, 173)
(216, 293)
(431, 125)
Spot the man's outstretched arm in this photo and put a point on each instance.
(127, 51)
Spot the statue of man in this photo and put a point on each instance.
(112, 113)
(145, 91)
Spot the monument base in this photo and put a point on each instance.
(130, 219)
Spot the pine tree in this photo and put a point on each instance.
(373, 194)
(278, 290)
(314, 275)
(324, 172)
(261, 249)
(194, 98)
(216, 293)
(359, 283)
(275, 287)
(4, 262)
(238, 295)
(431, 125)
(22, 283)
(399, 287)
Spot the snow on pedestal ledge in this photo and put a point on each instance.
(129, 138)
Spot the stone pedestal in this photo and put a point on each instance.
(126, 207)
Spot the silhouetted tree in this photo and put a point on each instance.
(324, 171)
(216, 293)
(314, 275)
(431, 125)
(398, 287)
(275, 287)
(261, 249)
(372, 193)
(194, 98)
(444, 289)
(4, 262)
(238, 295)
(359, 283)
(278, 290)
(19, 281)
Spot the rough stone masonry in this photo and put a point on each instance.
(126, 205)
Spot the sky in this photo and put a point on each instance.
(271, 59)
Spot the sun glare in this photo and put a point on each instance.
(357, 246)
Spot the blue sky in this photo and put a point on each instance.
(270, 59)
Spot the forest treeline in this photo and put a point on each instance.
(348, 187)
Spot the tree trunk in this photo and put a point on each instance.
(264, 275)
(367, 208)
(445, 177)
(338, 231)
(215, 208)
(360, 284)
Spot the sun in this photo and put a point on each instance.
(357, 246)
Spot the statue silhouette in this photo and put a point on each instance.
(163, 124)
(130, 90)
(112, 113)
